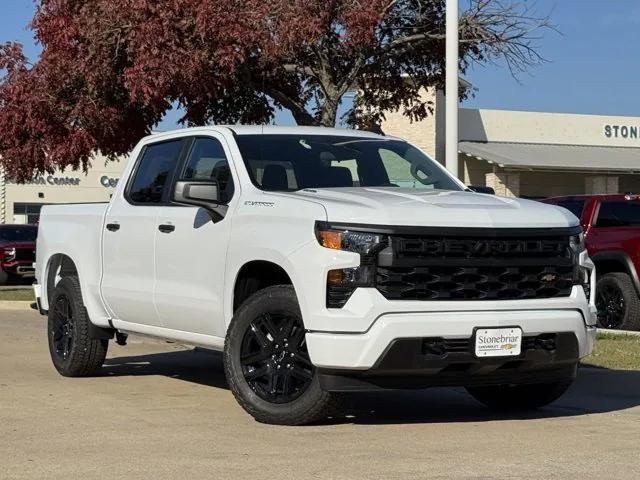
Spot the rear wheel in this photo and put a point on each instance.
(267, 363)
(73, 352)
(617, 302)
(519, 397)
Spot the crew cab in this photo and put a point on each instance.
(320, 261)
(611, 226)
(17, 252)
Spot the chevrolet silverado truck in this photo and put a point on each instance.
(17, 252)
(611, 225)
(319, 261)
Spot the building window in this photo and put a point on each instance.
(26, 213)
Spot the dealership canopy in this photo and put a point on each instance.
(540, 155)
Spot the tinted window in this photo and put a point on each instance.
(618, 214)
(153, 172)
(207, 161)
(18, 234)
(291, 162)
(575, 206)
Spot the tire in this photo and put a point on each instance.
(617, 302)
(257, 366)
(4, 277)
(519, 397)
(73, 352)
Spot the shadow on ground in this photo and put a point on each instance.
(596, 390)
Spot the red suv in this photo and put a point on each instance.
(611, 226)
(17, 252)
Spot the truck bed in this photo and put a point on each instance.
(74, 230)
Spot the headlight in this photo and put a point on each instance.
(580, 273)
(341, 283)
(363, 243)
(9, 254)
(576, 243)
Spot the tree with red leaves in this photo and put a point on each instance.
(110, 69)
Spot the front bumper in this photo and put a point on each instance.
(421, 363)
(390, 353)
(361, 351)
(22, 269)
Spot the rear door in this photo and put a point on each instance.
(191, 246)
(129, 236)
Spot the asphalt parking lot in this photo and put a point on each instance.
(163, 411)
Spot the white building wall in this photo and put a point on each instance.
(97, 185)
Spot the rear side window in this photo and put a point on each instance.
(154, 171)
(618, 214)
(207, 161)
(575, 206)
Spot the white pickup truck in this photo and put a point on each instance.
(320, 261)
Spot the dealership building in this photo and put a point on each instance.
(21, 203)
(533, 154)
(525, 154)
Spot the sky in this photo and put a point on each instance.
(593, 63)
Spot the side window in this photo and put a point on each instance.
(618, 214)
(575, 206)
(154, 171)
(207, 161)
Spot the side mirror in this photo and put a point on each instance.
(200, 193)
(482, 189)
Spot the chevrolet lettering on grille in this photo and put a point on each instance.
(481, 247)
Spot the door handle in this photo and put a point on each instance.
(113, 227)
(166, 228)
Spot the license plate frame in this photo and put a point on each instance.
(511, 347)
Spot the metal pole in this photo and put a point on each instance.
(451, 88)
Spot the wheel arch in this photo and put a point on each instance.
(616, 261)
(58, 266)
(256, 275)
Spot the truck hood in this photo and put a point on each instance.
(405, 206)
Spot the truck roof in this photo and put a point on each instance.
(285, 130)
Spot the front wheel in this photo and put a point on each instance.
(519, 397)
(267, 364)
(617, 302)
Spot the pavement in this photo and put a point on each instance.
(163, 411)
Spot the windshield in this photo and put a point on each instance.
(18, 233)
(294, 162)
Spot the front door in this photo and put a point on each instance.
(191, 248)
(129, 235)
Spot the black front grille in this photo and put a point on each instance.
(474, 283)
(491, 265)
(25, 254)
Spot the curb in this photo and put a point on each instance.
(619, 332)
(15, 305)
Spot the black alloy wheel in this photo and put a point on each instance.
(274, 358)
(267, 362)
(611, 306)
(63, 328)
(74, 352)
